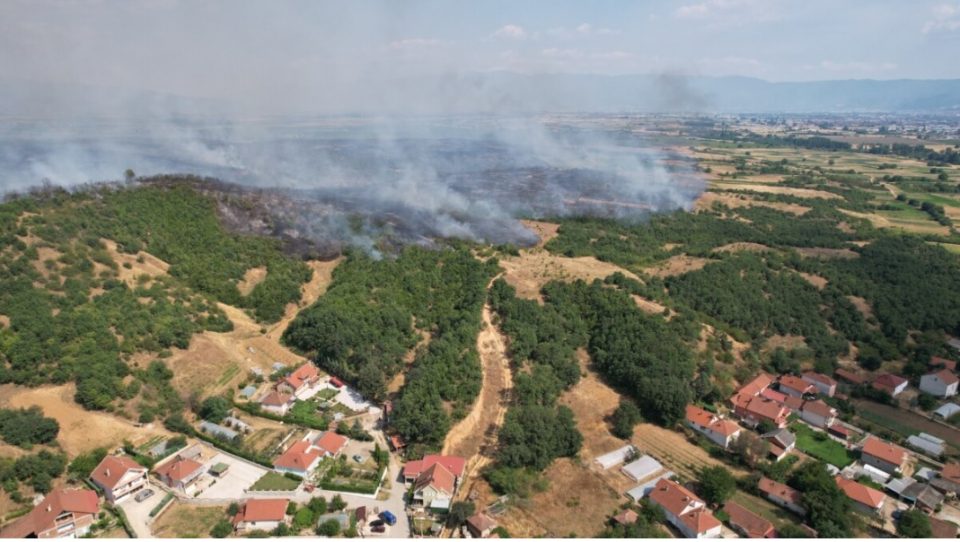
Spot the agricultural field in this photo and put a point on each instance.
(187, 521)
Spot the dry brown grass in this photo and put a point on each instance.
(675, 452)
(862, 305)
(4, 320)
(150, 266)
(544, 230)
(80, 430)
(879, 221)
(532, 269)
(187, 521)
(766, 189)
(676, 265)
(737, 201)
(742, 246)
(827, 253)
(787, 342)
(816, 280)
(251, 278)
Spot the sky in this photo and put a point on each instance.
(253, 51)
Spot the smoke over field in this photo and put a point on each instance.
(354, 180)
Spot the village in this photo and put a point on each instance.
(319, 481)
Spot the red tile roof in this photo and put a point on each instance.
(482, 522)
(112, 469)
(888, 382)
(793, 403)
(946, 363)
(452, 463)
(839, 430)
(753, 525)
(821, 378)
(703, 418)
(860, 493)
(881, 449)
(819, 408)
(297, 457)
(951, 471)
(673, 497)
(766, 409)
(302, 375)
(262, 510)
(331, 443)
(942, 528)
(700, 520)
(946, 376)
(781, 491)
(626, 517)
(773, 395)
(178, 470)
(275, 398)
(850, 376)
(41, 518)
(438, 477)
(796, 383)
(752, 388)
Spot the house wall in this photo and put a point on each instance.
(712, 533)
(131, 483)
(815, 419)
(244, 526)
(790, 391)
(72, 528)
(934, 386)
(864, 509)
(278, 410)
(788, 505)
(873, 461)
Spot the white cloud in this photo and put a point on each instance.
(857, 67)
(580, 31)
(511, 31)
(414, 43)
(946, 17)
(731, 11)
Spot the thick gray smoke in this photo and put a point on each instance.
(417, 178)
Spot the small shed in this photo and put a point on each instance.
(248, 392)
(278, 366)
(219, 469)
(642, 468)
(925, 474)
(644, 489)
(219, 430)
(615, 457)
(897, 486)
(946, 410)
(256, 371)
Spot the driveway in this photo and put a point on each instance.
(138, 513)
(231, 485)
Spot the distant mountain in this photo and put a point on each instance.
(504, 92)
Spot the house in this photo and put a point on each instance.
(839, 431)
(300, 381)
(63, 513)
(179, 473)
(954, 343)
(781, 443)
(942, 383)
(755, 410)
(796, 386)
(615, 457)
(260, 515)
(217, 430)
(434, 484)
(413, 469)
(824, 384)
(685, 511)
(855, 470)
(715, 428)
(300, 458)
(277, 403)
(336, 382)
(865, 499)
(946, 411)
(747, 523)
(883, 455)
(924, 496)
(645, 488)
(481, 525)
(644, 467)
(942, 363)
(928, 444)
(751, 389)
(397, 443)
(851, 377)
(948, 481)
(818, 414)
(330, 444)
(119, 477)
(893, 385)
(782, 495)
(942, 529)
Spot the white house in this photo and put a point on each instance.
(685, 511)
(119, 477)
(818, 414)
(260, 515)
(277, 403)
(942, 383)
(715, 428)
(883, 455)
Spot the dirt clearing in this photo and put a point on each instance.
(80, 430)
(251, 278)
(530, 271)
(186, 521)
(133, 265)
(675, 451)
(765, 189)
(546, 231)
(676, 265)
(816, 280)
(736, 201)
(742, 246)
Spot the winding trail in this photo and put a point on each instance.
(475, 436)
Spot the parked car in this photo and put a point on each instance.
(388, 517)
(358, 458)
(378, 528)
(143, 495)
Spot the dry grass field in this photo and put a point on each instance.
(186, 521)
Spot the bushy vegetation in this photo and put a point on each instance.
(363, 326)
(73, 319)
(37, 470)
(828, 508)
(25, 427)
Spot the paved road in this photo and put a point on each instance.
(138, 513)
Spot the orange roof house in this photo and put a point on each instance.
(781, 494)
(179, 473)
(883, 455)
(893, 385)
(433, 485)
(824, 384)
(263, 514)
(748, 523)
(715, 428)
(752, 388)
(62, 513)
(950, 364)
(330, 443)
(684, 510)
(795, 386)
(298, 459)
(302, 377)
(454, 464)
(118, 477)
(867, 498)
(754, 410)
(850, 376)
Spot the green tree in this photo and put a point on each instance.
(82, 465)
(331, 527)
(337, 503)
(717, 484)
(914, 523)
(215, 408)
(459, 512)
(625, 418)
(222, 529)
(303, 519)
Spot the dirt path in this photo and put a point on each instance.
(475, 436)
